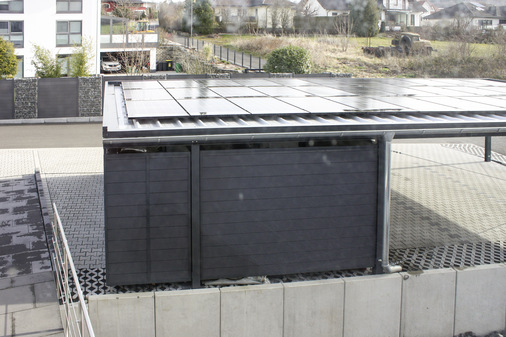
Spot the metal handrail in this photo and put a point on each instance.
(73, 324)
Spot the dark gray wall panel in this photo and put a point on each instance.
(147, 217)
(6, 99)
(58, 97)
(278, 211)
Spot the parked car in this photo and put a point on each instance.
(109, 65)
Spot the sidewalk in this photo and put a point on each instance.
(28, 301)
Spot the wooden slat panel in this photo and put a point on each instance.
(58, 97)
(271, 211)
(6, 99)
(147, 217)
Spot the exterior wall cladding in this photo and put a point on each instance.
(270, 210)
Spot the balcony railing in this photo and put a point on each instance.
(129, 40)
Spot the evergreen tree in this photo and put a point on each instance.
(364, 17)
(203, 17)
(8, 60)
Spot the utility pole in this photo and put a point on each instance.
(191, 22)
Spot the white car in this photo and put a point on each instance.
(110, 65)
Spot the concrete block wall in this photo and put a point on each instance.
(25, 98)
(90, 96)
(443, 302)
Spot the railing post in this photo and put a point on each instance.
(488, 149)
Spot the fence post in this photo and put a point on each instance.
(250, 61)
(259, 63)
(227, 54)
(234, 56)
(220, 52)
(242, 59)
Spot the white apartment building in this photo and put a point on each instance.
(57, 25)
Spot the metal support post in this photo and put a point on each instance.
(488, 149)
(383, 225)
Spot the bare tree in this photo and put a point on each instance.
(285, 18)
(344, 28)
(304, 8)
(275, 13)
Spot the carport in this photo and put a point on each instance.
(227, 178)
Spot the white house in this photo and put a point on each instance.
(57, 25)
(470, 15)
(260, 12)
(324, 7)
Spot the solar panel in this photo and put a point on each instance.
(365, 104)
(184, 93)
(154, 109)
(414, 104)
(211, 107)
(217, 83)
(325, 91)
(281, 91)
(438, 91)
(179, 84)
(236, 92)
(316, 104)
(291, 82)
(146, 95)
(141, 85)
(462, 104)
(266, 105)
(254, 82)
(498, 102)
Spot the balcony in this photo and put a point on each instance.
(123, 33)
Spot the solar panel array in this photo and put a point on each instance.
(320, 96)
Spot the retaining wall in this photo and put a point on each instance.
(443, 302)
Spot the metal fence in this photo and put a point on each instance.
(248, 61)
(76, 321)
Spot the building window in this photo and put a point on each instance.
(11, 6)
(64, 61)
(69, 6)
(12, 31)
(412, 20)
(68, 33)
(19, 73)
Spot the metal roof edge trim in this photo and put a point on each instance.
(446, 132)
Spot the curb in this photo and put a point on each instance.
(38, 121)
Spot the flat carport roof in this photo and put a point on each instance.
(203, 110)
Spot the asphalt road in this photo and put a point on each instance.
(50, 136)
(90, 135)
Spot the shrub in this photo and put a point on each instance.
(291, 59)
(8, 60)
